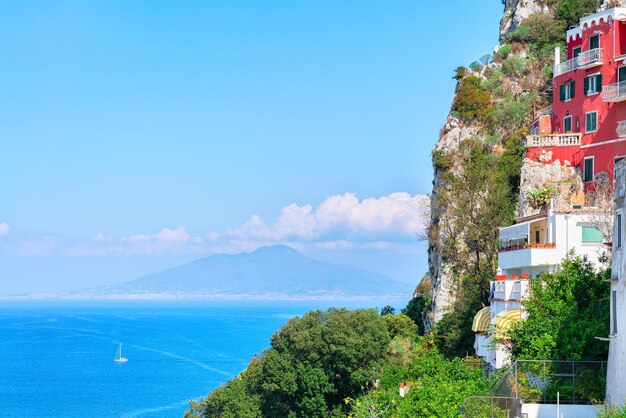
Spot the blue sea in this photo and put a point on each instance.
(56, 358)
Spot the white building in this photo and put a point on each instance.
(534, 245)
(616, 370)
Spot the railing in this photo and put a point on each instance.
(587, 58)
(614, 92)
(491, 406)
(621, 128)
(551, 245)
(552, 140)
(539, 381)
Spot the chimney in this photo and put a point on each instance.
(557, 56)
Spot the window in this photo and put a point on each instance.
(618, 230)
(567, 124)
(621, 74)
(614, 312)
(594, 42)
(593, 84)
(591, 121)
(615, 161)
(566, 91)
(576, 52)
(591, 234)
(588, 172)
(537, 237)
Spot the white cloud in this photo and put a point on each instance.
(166, 240)
(5, 228)
(340, 222)
(100, 238)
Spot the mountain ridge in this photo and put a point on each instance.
(271, 272)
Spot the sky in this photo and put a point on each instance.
(136, 136)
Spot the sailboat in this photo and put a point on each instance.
(118, 356)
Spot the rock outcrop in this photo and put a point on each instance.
(564, 179)
(517, 10)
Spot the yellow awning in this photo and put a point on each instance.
(502, 322)
(481, 320)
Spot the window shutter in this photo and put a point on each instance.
(599, 82)
(571, 89)
(562, 92)
(586, 86)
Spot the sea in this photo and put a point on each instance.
(56, 357)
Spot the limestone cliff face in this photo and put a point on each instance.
(442, 282)
(451, 135)
(517, 10)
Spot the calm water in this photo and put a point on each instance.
(57, 358)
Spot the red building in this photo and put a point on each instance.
(587, 123)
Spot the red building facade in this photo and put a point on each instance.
(587, 123)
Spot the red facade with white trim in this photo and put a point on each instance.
(588, 117)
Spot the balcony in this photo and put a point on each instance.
(529, 257)
(621, 128)
(586, 59)
(552, 140)
(615, 92)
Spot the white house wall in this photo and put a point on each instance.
(616, 370)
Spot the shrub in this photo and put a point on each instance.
(568, 12)
(514, 65)
(459, 72)
(472, 102)
(504, 51)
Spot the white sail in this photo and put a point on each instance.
(118, 356)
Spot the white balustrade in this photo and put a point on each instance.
(614, 92)
(621, 128)
(552, 140)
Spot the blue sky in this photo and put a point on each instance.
(139, 135)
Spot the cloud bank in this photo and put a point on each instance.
(340, 222)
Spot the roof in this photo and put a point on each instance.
(503, 320)
(481, 320)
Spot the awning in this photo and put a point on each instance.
(481, 320)
(502, 322)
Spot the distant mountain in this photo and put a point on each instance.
(269, 272)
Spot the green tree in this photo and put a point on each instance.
(387, 310)
(565, 310)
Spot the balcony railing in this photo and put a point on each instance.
(585, 59)
(503, 249)
(621, 128)
(615, 92)
(552, 140)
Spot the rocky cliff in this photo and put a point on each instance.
(518, 84)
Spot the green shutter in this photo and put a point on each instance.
(591, 234)
(586, 86)
(562, 92)
(599, 82)
(571, 89)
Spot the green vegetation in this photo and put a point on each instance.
(613, 412)
(345, 363)
(472, 101)
(570, 11)
(419, 303)
(540, 198)
(478, 195)
(566, 311)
